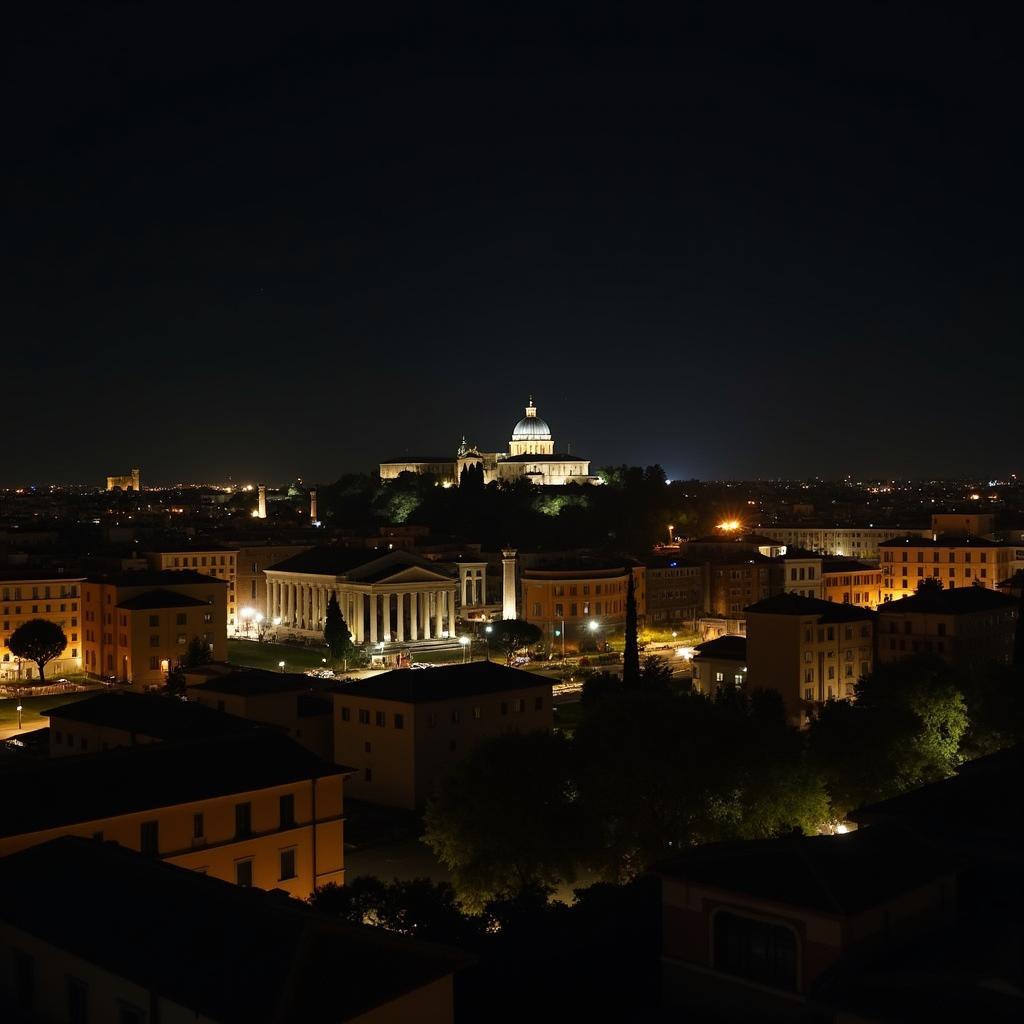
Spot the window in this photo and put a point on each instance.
(364, 716)
(287, 810)
(456, 717)
(380, 718)
(243, 820)
(198, 826)
(538, 703)
(367, 775)
(367, 747)
(78, 1002)
(399, 721)
(738, 678)
(504, 707)
(149, 838)
(287, 865)
(719, 677)
(243, 872)
(759, 951)
(154, 620)
(345, 714)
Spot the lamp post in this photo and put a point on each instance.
(246, 615)
(280, 665)
(488, 630)
(465, 643)
(19, 714)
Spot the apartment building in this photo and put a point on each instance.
(30, 594)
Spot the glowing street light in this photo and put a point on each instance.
(19, 710)
(465, 642)
(280, 665)
(592, 625)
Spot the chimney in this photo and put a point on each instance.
(508, 583)
(261, 512)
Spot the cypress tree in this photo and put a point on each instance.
(336, 633)
(631, 656)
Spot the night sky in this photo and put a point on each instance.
(743, 243)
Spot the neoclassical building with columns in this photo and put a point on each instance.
(396, 597)
(531, 455)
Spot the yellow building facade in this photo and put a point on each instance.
(220, 563)
(853, 583)
(136, 626)
(266, 815)
(808, 650)
(955, 561)
(56, 599)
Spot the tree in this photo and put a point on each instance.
(504, 820)
(38, 640)
(903, 730)
(336, 633)
(514, 635)
(197, 653)
(176, 682)
(631, 655)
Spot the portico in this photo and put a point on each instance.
(392, 598)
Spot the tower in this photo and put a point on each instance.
(261, 509)
(312, 505)
(508, 583)
(136, 481)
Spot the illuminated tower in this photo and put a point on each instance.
(261, 510)
(508, 583)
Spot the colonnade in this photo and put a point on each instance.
(371, 615)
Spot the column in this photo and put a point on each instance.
(464, 581)
(289, 603)
(425, 610)
(401, 617)
(438, 611)
(450, 608)
(413, 616)
(358, 613)
(307, 605)
(385, 617)
(270, 600)
(508, 583)
(373, 617)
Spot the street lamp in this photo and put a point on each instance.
(280, 665)
(246, 615)
(592, 625)
(19, 715)
(488, 630)
(465, 642)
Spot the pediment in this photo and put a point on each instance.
(412, 574)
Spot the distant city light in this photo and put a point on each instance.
(730, 525)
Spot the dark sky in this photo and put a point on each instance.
(749, 241)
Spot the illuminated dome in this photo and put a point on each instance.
(531, 427)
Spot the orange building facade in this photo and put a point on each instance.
(23, 598)
(137, 626)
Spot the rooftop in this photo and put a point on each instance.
(446, 682)
(224, 952)
(795, 604)
(358, 564)
(839, 875)
(401, 459)
(61, 791)
(731, 647)
(164, 718)
(954, 601)
(834, 565)
(159, 599)
(154, 578)
(553, 457)
(258, 682)
(944, 540)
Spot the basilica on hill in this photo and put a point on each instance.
(531, 455)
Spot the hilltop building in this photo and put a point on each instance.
(531, 455)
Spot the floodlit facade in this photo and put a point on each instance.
(531, 455)
(852, 582)
(953, 560)
(136, 626)
(220, 563)
(56, 599)
(580, 599)
(840, 541)
(810, 651)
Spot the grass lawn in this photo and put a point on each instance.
(250, 654)
(30, 717)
